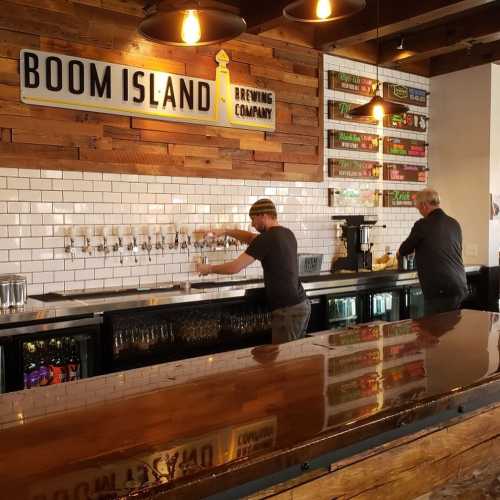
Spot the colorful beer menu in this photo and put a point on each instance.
(404, 147)
(402, 172)
(352, 198)
(339, 110)
(354, 169)
(353, 84)
(395, 198)
(407, 121)
(404, 94)
(354, 141)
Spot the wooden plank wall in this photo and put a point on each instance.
(40, 137)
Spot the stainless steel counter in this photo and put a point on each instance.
(317, 285)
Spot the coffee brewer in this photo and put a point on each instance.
(356, 237)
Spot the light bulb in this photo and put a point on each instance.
(191, 29)
(323, 9)
(378, 112)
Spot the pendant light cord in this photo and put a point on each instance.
(378, 41)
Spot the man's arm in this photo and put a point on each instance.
(231, 267)
(243, 236)
(408, 246)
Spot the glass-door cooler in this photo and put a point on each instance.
(414, 298)
(344, 311)
(52, 353)
(385, 305)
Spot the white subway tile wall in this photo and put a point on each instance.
(38, 208)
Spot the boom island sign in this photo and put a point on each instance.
(62, 81)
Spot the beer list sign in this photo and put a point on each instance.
(63, 81)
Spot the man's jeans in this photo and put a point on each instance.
(290, 323)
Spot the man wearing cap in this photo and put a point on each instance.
(276, 248)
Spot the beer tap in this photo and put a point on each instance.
(87, 248)
(163, 233)
(71, 247)
(103, 247)
(133, 247)
(148, 246)
(118, 246)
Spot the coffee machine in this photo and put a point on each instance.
(356, 238)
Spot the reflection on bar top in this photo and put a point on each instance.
(271, 398)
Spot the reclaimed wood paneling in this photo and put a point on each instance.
(106, 30)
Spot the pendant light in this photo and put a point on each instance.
(188, 24)
(322, 11)
(378, 107)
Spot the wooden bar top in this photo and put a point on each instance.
(272, 407)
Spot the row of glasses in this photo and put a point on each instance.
(141, 335)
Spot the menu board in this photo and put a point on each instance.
(407, 121)
(404, 172)
(352, 198)
(353, 84)
(395, 198)
(355, 169)
(404, 147)
(339, 110)
(407, 327)
(354, 141)
(404, 94)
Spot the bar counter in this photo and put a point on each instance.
(97, 301)
(228, 422)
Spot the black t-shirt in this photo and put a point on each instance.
(276, 248)
(437, 242)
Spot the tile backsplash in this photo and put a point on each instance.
(38, 208)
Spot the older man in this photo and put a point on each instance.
(436, 240)
(276, 248)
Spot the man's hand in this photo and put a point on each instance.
(203, 269)
(215, 233)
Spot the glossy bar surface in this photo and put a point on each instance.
(270, 407)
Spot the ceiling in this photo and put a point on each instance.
(440, 36)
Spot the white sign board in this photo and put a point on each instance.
(62, 81)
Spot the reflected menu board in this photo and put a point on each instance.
(354, 84)
(404, 147)
(395, 198)
(354, 141)
(351, 198)
(405, 173)
(407, 121)
(353, 169)
(339, 110)
(404, 94)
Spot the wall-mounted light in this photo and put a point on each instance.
(321, 11)
(189, 24)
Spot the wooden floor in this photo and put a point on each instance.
(480, 484)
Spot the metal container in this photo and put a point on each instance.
(18, 291)
(13, 291)
(5, 299)
(364, 238)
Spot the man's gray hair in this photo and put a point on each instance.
(429, 196)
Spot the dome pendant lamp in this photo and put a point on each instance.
(378, 107)
(189, 24)
(322, 11)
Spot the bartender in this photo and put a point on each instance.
(436, 240)
(276, 248)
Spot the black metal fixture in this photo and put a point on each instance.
(401, 44)
(378, 107)
(189, 23)
(322, 11)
